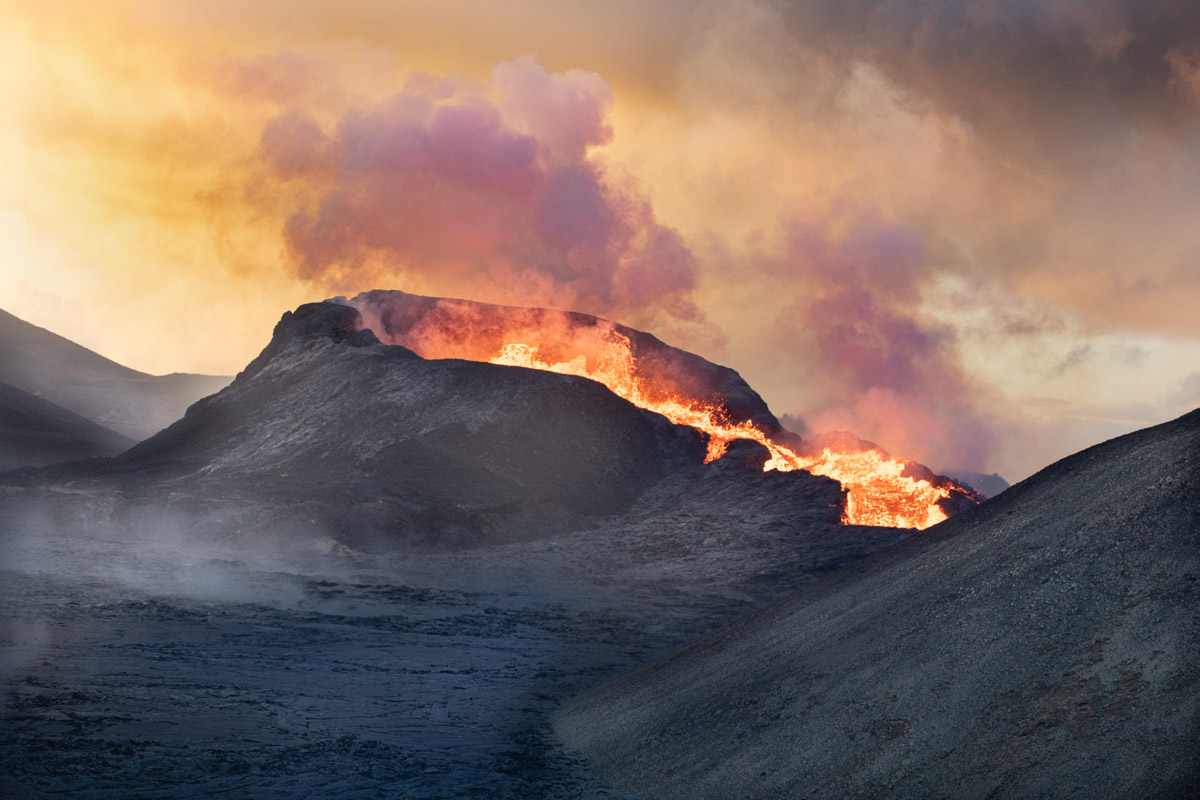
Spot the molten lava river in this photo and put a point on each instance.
(878, 493)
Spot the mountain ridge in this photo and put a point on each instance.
(35, 432)
(132, 403)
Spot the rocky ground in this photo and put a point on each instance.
(137, 661)
(1042, 644)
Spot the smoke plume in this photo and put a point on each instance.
(874, 362)
(491, 192)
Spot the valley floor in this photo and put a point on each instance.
(161, 670)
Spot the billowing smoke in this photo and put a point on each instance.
(493, 193)
(873, 362)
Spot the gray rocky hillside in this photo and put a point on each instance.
(1043, 644)
(36, 432)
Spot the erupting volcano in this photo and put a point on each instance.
(880, 489)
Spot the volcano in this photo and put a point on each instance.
(687, 389)
(1042, 644)
(332, 433)
(338, 577)
(462, 424)
(357, 571)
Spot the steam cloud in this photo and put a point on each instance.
(879, 367)
(499, 197)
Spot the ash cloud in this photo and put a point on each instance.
(497, 194)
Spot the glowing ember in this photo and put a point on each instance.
(878, 491)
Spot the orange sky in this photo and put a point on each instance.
(969, 234)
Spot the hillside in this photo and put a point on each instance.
(332, 433)
(124, 400)
(1042, 644)
(36, 432)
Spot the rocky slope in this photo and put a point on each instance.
(124, 400)
(1042, 644)
(988, 485)
(36, 432)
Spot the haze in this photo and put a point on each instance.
(966, 231)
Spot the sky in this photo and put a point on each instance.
(967, 230)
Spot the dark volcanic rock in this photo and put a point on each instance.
(1042, 644)
(129, 402)
(332, 432)
(36, 432)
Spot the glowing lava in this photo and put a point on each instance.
(879, 492)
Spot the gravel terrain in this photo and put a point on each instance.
(1043, 644)
(152, 666)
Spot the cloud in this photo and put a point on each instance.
(1188, 392)
(874, 362)
(1078, 355)
(486, 191)
(1049, 69)
(293, 145)
(1041, 154)
(284, 76)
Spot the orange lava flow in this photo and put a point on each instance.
(878, 493)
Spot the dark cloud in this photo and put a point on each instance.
(1061, 71)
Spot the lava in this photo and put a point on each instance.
(880, 490)
(683, 387)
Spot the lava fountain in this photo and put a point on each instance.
(684, 388)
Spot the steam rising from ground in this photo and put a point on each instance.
(157, 553)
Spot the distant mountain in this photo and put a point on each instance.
(987, 485)
(1042, 644)
(124, 400)
(35, 432)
